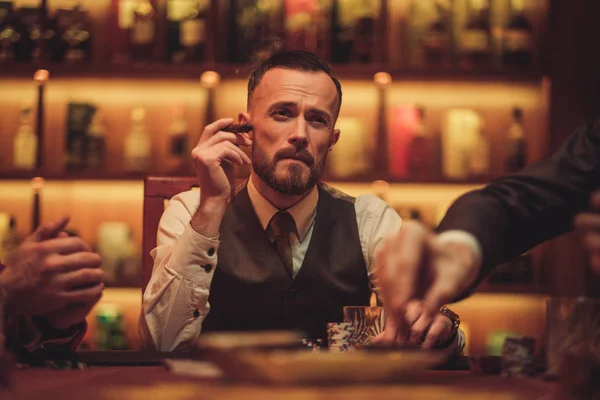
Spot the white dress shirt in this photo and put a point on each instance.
(175, 302)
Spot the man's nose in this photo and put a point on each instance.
(299, 136)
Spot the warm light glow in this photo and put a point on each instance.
(380, 188)
(37, 183)
(41, 76)
(373, 300)
(210, 79)
(382, 78)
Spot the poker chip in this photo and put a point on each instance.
(340, 336)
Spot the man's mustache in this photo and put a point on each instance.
(296, 154)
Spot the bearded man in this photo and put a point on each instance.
(291, 251)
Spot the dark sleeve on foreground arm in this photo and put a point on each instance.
(515, 213)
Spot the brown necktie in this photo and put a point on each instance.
(281, 225)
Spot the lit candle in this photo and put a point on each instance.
(404, 124)
(41, 76)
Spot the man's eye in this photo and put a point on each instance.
(319, 121)
(281, 113)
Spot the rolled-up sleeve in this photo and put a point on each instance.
(175, 302)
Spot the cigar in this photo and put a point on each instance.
(238, 128)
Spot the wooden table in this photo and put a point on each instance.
(152, 382)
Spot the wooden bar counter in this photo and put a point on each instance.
(156, 382)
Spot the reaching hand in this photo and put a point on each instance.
(413, 265)
(416, 327)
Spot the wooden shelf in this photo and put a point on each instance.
(99, 175)
(73, 176)
(157, 70)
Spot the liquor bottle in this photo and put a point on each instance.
(79, 117)
(516, 152)
(25, 145)
(480, 154)
(143, 31)
(517, 39)
(8, 33)
(137, 144)
(303, 25)
(96, 142)
(436, 41)
(192, 31)
(186, 30)
(73, 41)
(421, 150)
(121, 12)
(475, 38)
(28, 30)
(353, 31)
(8, 237)
(255, 30)
(178, 140)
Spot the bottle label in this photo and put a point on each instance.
(192, 32)
(143, 32)
(126, 8)
(474, 40)
(517, 40)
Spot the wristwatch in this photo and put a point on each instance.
(455, 319)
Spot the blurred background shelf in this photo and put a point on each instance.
(163, 71)
(102, 175)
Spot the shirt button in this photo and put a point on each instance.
(211, 251)
(291, 294)
(196, 313)
(206, 268)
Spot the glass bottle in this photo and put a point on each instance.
(137, 144)
(178, 140)
(143, 31)
(475, 38)
(96, 142)
(517, 39)
(516, 152)
(25, 143)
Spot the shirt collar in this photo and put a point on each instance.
(303, 212)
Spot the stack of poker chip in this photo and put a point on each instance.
(340, 336)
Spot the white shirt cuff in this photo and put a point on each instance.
(194, 256)
(458, 236)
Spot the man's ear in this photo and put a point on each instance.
(244, 118)
(334, 138)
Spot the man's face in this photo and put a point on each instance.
(293, 114)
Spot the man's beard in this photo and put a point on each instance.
(294, 183)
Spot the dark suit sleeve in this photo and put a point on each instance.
(515, 213)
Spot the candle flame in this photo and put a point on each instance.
(210, 79)
(41, 76)
(37, 183)
(373, 300)
(382, 78)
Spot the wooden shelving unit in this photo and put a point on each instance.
(156, 70)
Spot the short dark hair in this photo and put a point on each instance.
(296, 60)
